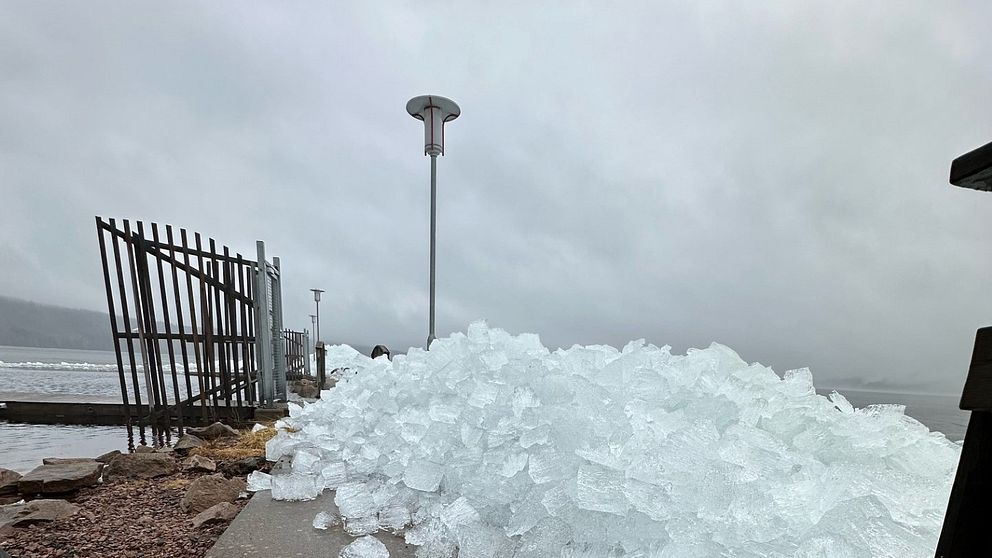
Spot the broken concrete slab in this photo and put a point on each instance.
(59, 478)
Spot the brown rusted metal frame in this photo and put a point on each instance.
(220, 328)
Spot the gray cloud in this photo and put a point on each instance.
(769, 176)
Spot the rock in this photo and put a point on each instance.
(241, 467)
(64, 477)
(187, 442)
(200, 463)
(144, 449)
(210, 490)
(140, 466)
(308, 390)
(35, 511)
(64, 460)
(8, 481)
(218, 513)
(4, 500)
(214, 431)
(108, 457)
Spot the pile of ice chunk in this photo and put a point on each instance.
(491, 445)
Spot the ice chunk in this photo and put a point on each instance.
(258, 480)
(538, 435)
(295, 486)
(354, 499)
(258, 427)
(394, 517)
(841, 402)
(515, 462)
(546, 465)
(358, 526)
(324, 519)
(458, 513)
(547, 538)
(600, 489)
(334, 475)
(365, 547)
(482, 541)
(305, 462)
(423, 475)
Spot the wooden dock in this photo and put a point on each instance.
(40, 408)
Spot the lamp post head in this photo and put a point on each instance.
(973, 169)
(434, 111)
(316, 294)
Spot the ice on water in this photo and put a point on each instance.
(492, 445)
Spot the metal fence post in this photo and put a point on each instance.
(306, 352)
(263, 329)
(278, 335)
(319, 351)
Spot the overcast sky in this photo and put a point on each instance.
(768, 175)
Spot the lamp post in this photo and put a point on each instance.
(316, 317)
(434, 111)
(964, 532)
(313, 326)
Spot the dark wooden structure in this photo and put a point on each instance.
(965, 532)
(973, 169)
(182, 316)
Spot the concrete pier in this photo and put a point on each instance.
(267, 528)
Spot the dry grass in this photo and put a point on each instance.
(178, 482)
(248, 444)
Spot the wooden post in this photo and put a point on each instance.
(321, 376)
(965, 532)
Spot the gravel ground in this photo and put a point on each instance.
(127, 519)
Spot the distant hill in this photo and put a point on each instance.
(29, 324)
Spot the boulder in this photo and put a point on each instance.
(63, 477)
(217, 513)
(214, 431)
(200, 463)
(241, 467)
(4, 500)
(187, 442)
(108, 457)
(8, 481)
(144, 449)
(35, 511)
(210, 490)
(140, 466)
(307, 390)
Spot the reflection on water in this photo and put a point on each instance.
(25, 445)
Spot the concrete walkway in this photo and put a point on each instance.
(274, 529)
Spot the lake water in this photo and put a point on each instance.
(64, 371)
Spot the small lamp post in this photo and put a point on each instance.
(964, 532)
(316, 317)
(434, 111)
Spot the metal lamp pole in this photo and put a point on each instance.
(316, 299)
(313, 326)
(434, 111)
